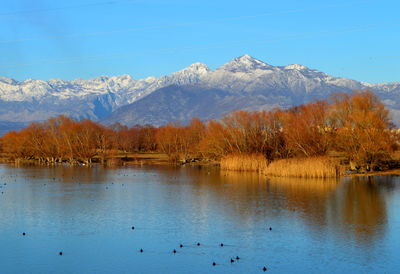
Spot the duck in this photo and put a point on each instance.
(264, 269)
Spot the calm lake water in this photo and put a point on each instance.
(352, 225)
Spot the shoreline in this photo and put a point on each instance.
(161, 159)
(375, 173)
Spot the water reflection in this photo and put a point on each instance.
(309, 196)
(70, 174)
(354, 207)
(359, 206)
(173, 205)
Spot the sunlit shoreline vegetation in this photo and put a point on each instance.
(244, 162)
(311, 167)
(293, 142)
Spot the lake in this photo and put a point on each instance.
(317, 226)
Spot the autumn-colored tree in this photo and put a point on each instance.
(181, 143)
(146, 138)
(15, 144)
(307, 129)
(362, 124)
(54, 142)
(85, 140)
(192, 136)
(169, 141)
(214, 143)
(245, 132)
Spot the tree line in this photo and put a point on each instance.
(356, 125)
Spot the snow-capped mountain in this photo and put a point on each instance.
(242, 83)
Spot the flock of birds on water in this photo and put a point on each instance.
(141, 250)
(232, 260)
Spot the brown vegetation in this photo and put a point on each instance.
(356, 126)
(244, 162)
(312, 167)
(63, 139)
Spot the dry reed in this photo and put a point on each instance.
(244, 162)
(313, 167)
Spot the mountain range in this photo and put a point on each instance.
(196, 91)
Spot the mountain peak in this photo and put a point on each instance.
(199, 67)
(245, 63)
(194, 69)
(296, 67)
(190, 75)
(246, 57)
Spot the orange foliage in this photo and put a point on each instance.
(307, 130)
(181, 143)
(363, 125)
(245, 132)
(357, 125)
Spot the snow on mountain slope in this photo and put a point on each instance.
(95, 98)
(243, 78)
(243, 83)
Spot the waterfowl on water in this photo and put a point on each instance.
(60, 253)
(270, 228)
(23, 233)
(237, 258)
(141, 250)
(214, 264)
(181, 245)
(198, 244)
(264, 269)
(232, 260)
(221, 245)
(174, 251)
(133, 227)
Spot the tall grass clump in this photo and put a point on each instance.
(244, 162)
(312, 167)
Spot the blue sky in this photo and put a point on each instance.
(45, 39)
